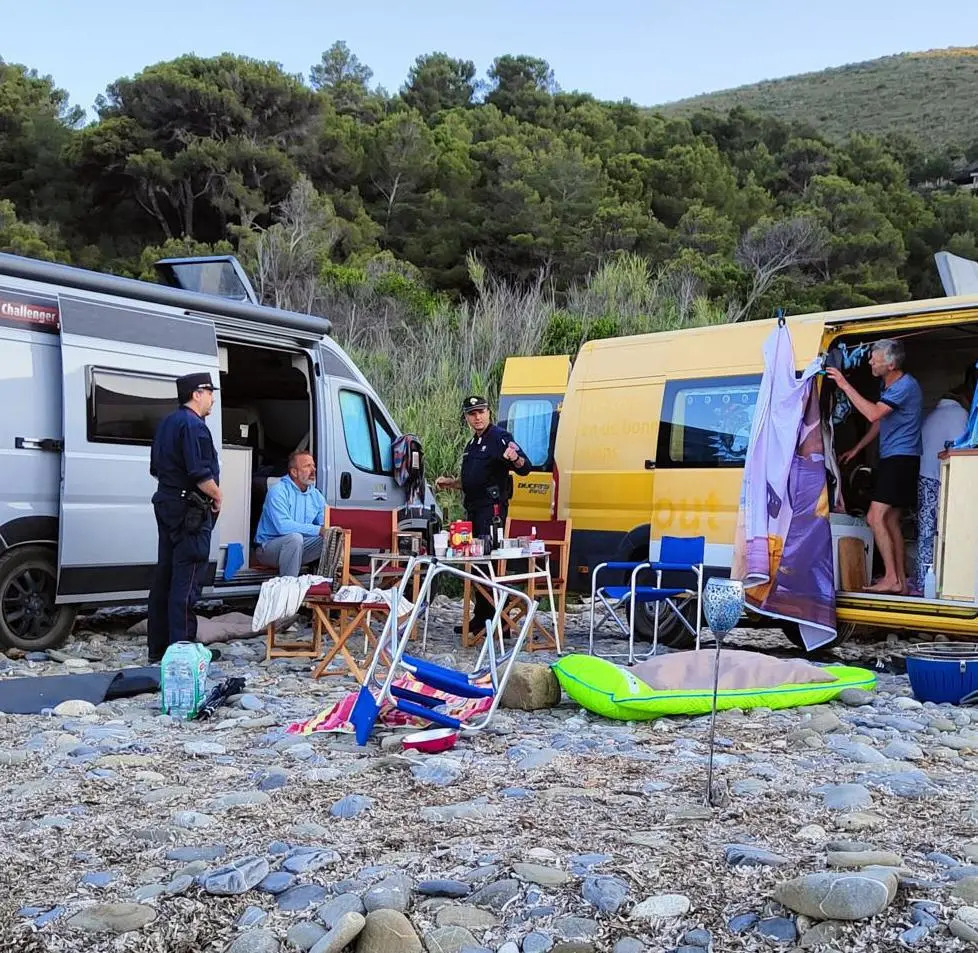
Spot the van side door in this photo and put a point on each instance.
(362, 454)
(119, 369)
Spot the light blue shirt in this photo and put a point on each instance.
(288, 509)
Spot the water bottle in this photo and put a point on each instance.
(183, 678)
(930, 583)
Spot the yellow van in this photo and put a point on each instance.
(654, 428)
(530, 399)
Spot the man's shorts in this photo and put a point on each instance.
(896, 481)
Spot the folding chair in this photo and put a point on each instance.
(676, 554)
(487, 681)
(371, 531)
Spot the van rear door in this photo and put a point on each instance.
(119, 369)
(530, 400)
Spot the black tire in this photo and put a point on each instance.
(793, 634)
(672, 633)
(29, 618)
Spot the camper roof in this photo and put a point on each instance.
(223, 304)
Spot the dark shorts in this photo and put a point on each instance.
(896, 482)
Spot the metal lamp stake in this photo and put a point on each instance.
(723, 605)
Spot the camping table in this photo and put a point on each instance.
(352, 618)
(492, 568)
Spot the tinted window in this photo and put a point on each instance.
(707, 423)
(385, 441)
(529, 420)
(126, 407)
(356, 429)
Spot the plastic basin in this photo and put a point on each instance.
(431, 741)
(943, 673)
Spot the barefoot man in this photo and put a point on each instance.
(897, 418)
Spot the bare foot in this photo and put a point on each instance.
(890, 587)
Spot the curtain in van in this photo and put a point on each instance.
(783, 548)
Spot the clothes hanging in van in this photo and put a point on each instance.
(783, 546)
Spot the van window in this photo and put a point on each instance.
(707, 423)
(369, 439)
(529, 420)
(126, 407)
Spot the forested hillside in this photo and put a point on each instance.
(928, 96)
(457, 220)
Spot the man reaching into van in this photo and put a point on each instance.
(897, 419)
(290, 531)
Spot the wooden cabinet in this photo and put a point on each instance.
(956, 546)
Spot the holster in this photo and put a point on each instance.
(198, 508)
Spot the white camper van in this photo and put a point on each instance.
(88, 364)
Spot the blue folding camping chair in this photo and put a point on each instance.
(487, 680)
(677, 554)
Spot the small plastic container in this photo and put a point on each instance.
(432, 741)
(943, 672)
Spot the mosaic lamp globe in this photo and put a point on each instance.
(723, 604)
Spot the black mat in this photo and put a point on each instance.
(30, 696)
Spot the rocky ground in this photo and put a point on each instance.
(851, 825)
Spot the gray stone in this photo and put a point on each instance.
(531, 687)
(837, 896)
(467, 811)
(437, 771)
(187, 855)
(332, 911)
(347, 929)
(351, 806)
(238, 877)
(443, 888)
(392, 893)
(179, 885)
(855, 751)
(496, 895)
(192, 820)
(255, 941)
(541, 875)
(901, 749)
(824, 722)
(237, 800)
(966, 890)
(112, 918)
(537, 942)
(742, 922)
(304, 936)
(251, 918)
(530, 759)
(913, 937)
(779, 929)
(605, 893)
(388, 931)
(746, 855)
(628, 944)
(509, 947)
(855, 697)
(74, 708)
(470, 918)
(305, 860)
(748, 787)
(863, 858)
(906, 784)
(251, 703)
(845, 797)
(824, 934)
(965, 924)
(278, 881)
(662, 907)
(448, 940)
(861, 821)
(149, 892)
(8, 757)
(576, 928)
(200, 748)
(301, 897)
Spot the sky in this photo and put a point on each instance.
(650, 52)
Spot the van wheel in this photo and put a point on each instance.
(792, 632)
(672, 633)
(29, 618)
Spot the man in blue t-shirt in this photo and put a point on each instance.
(290, 531)
(897, 418)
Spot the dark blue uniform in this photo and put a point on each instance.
(483, 467)
(183, 456)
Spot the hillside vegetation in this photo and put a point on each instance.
(460, 220)
(929, 96)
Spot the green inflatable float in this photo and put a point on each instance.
(609, 690)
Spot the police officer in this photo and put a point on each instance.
(487, 461)
(187, 501)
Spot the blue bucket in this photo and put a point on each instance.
(943, 672)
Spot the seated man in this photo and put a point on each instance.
(290, 531)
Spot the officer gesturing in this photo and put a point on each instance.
(487, 460)
(187, 501)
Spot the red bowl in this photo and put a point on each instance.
(431, 741)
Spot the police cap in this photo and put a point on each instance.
(474, 403)
(189, 383)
